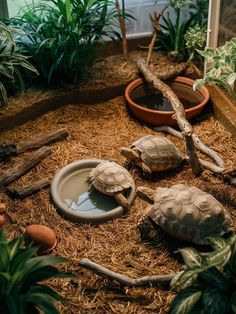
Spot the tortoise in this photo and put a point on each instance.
(184, 212)
(153, 153)
(112, 179)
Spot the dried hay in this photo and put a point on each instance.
(99, 131)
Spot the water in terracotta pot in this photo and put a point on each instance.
(158, 102)
(148, 98)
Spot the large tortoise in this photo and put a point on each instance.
(184, 212)
(153, 153)
(112, 179)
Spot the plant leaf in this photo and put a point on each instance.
(215, 302)
(185, 301)
(191, 257)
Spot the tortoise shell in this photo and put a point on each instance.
(109, 178)
(190, 214)
(158, 152)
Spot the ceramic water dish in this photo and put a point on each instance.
(75, 200)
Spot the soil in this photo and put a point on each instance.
(99, 131)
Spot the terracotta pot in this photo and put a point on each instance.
(182, 86)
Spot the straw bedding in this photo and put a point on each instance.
(99, 131)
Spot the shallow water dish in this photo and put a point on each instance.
(70, 193)
(182, 86)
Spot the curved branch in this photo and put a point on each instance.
(202, 147)
(122, 279)
(179, 115)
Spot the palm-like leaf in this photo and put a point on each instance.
(20, 274)
(11, 62)
(60, 35)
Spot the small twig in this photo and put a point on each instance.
(198, 144)
(122, 279)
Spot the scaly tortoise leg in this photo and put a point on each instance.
(143, 167)
(122, 201)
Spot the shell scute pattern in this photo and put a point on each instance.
(109, 177)
(158, 152)
(190, 213)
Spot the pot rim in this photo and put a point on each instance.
(77, 216)
(180, 79)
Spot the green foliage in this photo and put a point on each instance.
(199, 12)
(11, 63)
(208, 283)
(195, 39)
(222, 67)
(171, 38)
(20, 273)
(177, 4)
(61, 35)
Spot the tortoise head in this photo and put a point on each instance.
(146, 194)
(130, 153)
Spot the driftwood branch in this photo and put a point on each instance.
(122, 29)
(155, 20)
(25, 191)
(8, 149)
(178, 108)
(198, 144)
(228, 175)
(122, 279)
(42, 140)
(176, 70)
(23, 166)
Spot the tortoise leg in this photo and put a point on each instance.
(122, 201)
(144, 167)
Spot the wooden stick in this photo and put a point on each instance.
(198, 144)
(25, 191)
(123, 30)
(42, 140)
(122, 279)
(178, 69)
(178, 108)
(23, 166)
(155, 19)
(9, 149)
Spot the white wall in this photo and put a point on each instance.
(15, 5)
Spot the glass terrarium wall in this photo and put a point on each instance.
(227, 21)
(15, 5)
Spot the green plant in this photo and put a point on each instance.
(11, 63)
(221, 68)
(198, 10)
(20, 275)
(195, 39)
(61, 35)
(172, 38)
(208, 283)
